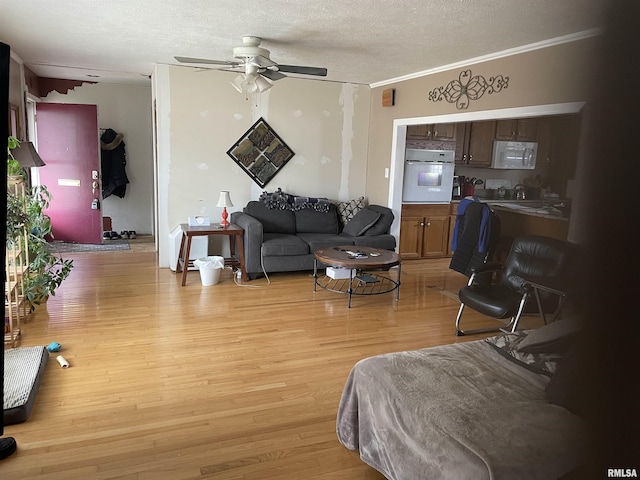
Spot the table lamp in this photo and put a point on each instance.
(224, 201)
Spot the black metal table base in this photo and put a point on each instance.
(361, 283)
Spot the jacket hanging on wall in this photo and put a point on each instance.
(113, 161)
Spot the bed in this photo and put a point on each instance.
(474, 410)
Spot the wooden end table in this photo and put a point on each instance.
(358, 283)
(231, 230)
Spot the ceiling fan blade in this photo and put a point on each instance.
(261, 61)
(205, 61)
(321, 72)
(273, 75)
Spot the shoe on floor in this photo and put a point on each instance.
(114, 235)
(7, 447)
(124, 234)
(131, 234)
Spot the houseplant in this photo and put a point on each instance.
(14, 170)
(16, 216)
(47, 270)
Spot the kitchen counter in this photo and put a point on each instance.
(555, 209)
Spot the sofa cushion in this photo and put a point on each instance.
(278, 244)
(312, 221)
(385, 242)
(324, 240)
(273, 220)
(383, 224)
(347, 210)
(361, 222)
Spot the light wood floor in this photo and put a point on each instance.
(220, 382)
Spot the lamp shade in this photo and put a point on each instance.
(27, 156)
(251, 83)
(263, 84)
(224, 200)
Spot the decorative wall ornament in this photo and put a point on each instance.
(468, 88)
(260, 152)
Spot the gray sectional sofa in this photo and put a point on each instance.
(283, 240)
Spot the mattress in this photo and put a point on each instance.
(23, 370)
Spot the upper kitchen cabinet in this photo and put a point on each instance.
(517, 130)
(475, 147)
(435, 132)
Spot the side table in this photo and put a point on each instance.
(232, 231)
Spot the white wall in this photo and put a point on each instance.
(200, 116)
(127, 110)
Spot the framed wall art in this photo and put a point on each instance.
(260, 152)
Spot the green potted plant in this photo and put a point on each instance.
(47, 270)
(14, 170)
(17, 217)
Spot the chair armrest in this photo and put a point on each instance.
(552, 285)
(487, 267)
(252, 240)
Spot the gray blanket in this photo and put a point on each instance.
(456, 412)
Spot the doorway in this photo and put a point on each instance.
(399, 141)
(67, 136)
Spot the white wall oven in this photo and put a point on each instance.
(428, 176)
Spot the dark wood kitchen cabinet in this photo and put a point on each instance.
(475, 147)
(438, 131)
(518, 130)
(424, 231)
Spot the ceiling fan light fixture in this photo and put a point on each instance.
(263, 84)
(249, 84)
(237, 83)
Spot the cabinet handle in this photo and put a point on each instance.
(513, 134)
(428, 224)
(422, 224)
(470, 157)
(435, 133)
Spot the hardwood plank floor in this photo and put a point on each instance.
(220, 382)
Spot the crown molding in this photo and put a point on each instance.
(573, 37)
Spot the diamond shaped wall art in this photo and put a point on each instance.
(260, 152)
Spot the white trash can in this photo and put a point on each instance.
(209, 269)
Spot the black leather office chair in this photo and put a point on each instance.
(535, 269)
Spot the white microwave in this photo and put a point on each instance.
(514, 155)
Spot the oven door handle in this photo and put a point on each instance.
(418, 162)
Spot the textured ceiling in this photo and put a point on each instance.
(362, 41)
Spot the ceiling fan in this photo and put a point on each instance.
(255, 66)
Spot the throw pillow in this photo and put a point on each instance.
(361, 222)
(508, 344)
(347, 210)
(554, 337)
(384, 222)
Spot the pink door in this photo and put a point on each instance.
(68, 143)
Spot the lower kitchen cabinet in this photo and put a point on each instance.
(424, 231)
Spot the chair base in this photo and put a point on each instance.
(509, 328)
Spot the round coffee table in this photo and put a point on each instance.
(350, 271)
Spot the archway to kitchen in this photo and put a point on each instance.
(400, 132)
